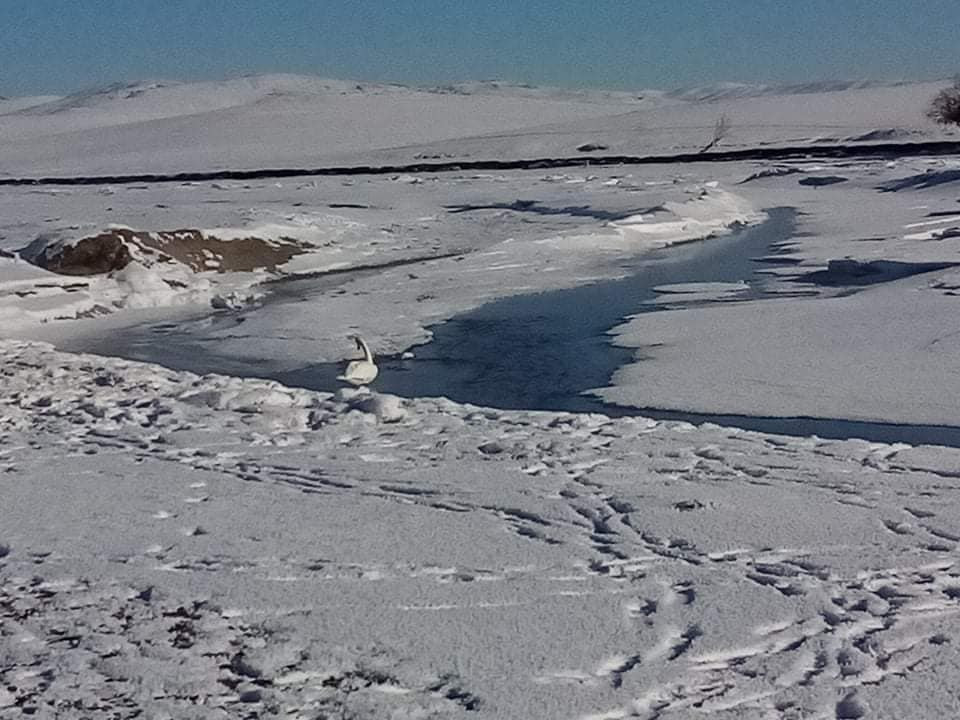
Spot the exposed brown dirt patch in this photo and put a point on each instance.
(90, 256)
(113, 249)
(201, 252)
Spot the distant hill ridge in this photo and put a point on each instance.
(203, 96)
(283, 121)
(209, 95)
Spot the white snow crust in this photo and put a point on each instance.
(173, 542)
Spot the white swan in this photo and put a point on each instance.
(360, 372)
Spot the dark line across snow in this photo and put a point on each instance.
(875, 150)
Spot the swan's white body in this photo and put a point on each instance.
(360, 372)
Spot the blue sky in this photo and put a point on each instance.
(58, 46)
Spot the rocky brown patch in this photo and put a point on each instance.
(206, 252)
(90, 256)
(113, 249)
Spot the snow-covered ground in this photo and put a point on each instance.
(213, 547)
(190, 545)
(882, 348)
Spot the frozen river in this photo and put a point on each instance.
(542, 351)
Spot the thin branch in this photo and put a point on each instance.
(720, 130)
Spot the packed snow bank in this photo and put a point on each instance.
(30, 295)
(884, 354)
(706, 212)
(190, 546)
(709, 211)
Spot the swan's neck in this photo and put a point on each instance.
(367, 355)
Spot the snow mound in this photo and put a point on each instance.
(138, 286)
(387, 408)
(709, 211)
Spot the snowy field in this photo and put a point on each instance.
(281, 121)
(177, 543)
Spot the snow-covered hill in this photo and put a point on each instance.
(272, 121)
(757, 118)
(123, 103)
(12, 105)
(734, 90)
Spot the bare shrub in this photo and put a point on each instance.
(945, 107)
(720, 130)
